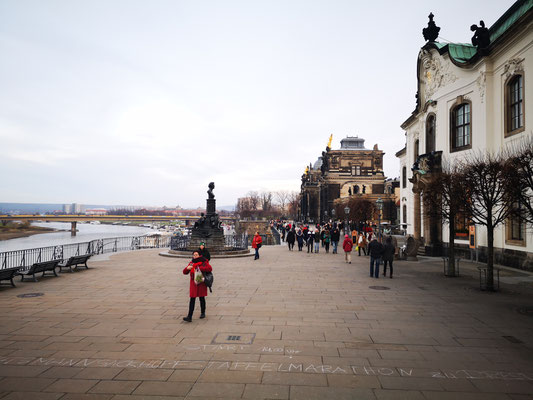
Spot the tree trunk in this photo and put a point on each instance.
(451, 246)
(490, 257)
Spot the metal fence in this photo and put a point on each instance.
(26, 258)
(231, 242)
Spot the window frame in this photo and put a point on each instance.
(509, 224)
(508, 105)
(431, 117)
(461, 102)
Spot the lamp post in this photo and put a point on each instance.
(347, 212)
(379, 204)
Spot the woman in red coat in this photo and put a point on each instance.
(197, 290)
(256, 244)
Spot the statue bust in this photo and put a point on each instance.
(210, 191)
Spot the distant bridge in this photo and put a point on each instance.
(75, 218)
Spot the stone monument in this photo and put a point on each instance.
(208, 228)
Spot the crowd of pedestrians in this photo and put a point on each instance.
(323, 237)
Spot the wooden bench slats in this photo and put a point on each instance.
(8, 274)
(44, 267)
(75, 261)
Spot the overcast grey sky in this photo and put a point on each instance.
(145, 102)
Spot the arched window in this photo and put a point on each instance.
(430, 133)
(515, 105)
(461, 127)
(355, 189)
(404, 216)
(404, 177)
(417, 148)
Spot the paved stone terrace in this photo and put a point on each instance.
(308, 327)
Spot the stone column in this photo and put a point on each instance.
(417, 214)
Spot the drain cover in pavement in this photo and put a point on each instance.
(379, 287)
(233, 338)
(526, 311)
(30, 295)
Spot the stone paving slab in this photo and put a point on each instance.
(310, 327)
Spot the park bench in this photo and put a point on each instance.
(8, 274)
(44, 267)
(75, 261)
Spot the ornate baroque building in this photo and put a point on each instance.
(351, 170)
(470, 99)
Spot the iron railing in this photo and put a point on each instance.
(231, 242)
(26, 258)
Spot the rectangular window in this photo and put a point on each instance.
(461, 130)
(516, 103)
(516, 228)
(358, 170)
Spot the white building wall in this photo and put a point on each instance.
(484, 86)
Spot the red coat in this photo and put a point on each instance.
(201, 289)
(256, 240)
(347, 245)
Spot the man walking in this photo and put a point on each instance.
(335, 237)
(375, 249)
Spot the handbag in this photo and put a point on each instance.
(208, 280)
(259, 245)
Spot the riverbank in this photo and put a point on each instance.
(14, 233)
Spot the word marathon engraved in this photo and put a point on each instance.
(270, 367)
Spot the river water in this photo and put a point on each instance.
(86, 233)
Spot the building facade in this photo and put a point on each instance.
(471, 99)
(351, 171)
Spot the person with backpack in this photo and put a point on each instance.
(257, 242)
(197, 287)
(347, 246)
(375, 249)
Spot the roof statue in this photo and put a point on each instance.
(431, 32)
(330, 139)
(481, 38)
(306, 170)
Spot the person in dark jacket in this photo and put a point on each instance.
(291, 238)
(310, 239)
(202, 250)
(335, 237)
(375, 249)
(300, 239)
(317, 240)
(388, 255)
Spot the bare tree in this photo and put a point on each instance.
(445, 198)
(283, 197)
(243, 207)
(293, 202)
(521, 181)
(254, 200)
(266, 200)
(487, 181)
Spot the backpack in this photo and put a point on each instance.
(208, 280)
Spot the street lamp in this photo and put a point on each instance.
(379, 204)
(347, 212)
